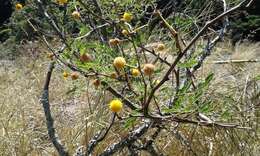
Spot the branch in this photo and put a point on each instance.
(179, 57)
(127, 102)
(98, 138)
(49, 120)
(211, 45)
(150, 146)
(52, 22)
(132, 137)
(235, 61)
(201, 123)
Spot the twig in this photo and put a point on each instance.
(49, 120)
(172, 31)
(184, 141)
(235, 61)
(118, 95)
(92, 30)
(98, 138)
(203, 123)
(150, 146)
(52, 22)
(179, 57)
(139, 68)
(131, 138)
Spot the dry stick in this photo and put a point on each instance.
(178, 46)
(210, 45)
(49, 120)
(98, 138)
(150, 146)
(130, 139)
(200, 123)
(178, 58)
(184, 141)
(235, 61)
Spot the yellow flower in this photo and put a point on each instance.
(135, 72)
(50, 56)
(62, 2)
(148, 69)
(160, 46)
(113, 75)
(85, 57)
(125, 32)
(156, 82)
(74, 76)
(96, 82)
(65, 74)
(119, 62)
(18, 6)
(75, 15)
(127, 17)
(115, 105)
(114, 42)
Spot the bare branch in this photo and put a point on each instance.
(99, 137)
(179, 57)
(131, 138)
(49, 120)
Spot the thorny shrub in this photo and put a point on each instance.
(151, 79)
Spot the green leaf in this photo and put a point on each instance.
(188, 64)
(130, 122)
(257, 78)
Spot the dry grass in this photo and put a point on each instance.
(80, 111)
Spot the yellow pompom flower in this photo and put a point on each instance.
(114, 41)
(135, 72)
(119, 62)
(18, 6)
(96, 83)
(50, 56)
(156, 82)
(148, 69)
(113, 75)
(74, 76)
(115, 105)
(160, 46)
(85, 57)
(62, 2)
(65, 74)
(75, 15)
(127, 17)
(125, 32)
